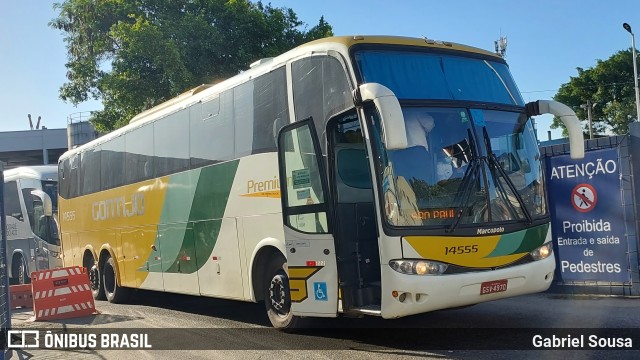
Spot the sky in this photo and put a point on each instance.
(546, 41)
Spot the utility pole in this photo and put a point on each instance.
(589, 107)
(589, 117)
(635, 68)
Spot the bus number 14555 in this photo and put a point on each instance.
(462, 249)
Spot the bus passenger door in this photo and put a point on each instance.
(310, 248)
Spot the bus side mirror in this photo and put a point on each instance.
(394, 134)
(46, 201)
(569, 119)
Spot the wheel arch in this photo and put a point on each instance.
(18, 253)
(262, 254)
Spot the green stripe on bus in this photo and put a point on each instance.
(188, 235)
(520, 241)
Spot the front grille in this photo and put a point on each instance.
(456, 269)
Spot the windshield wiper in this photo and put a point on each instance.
(494, 163)
(469, 177)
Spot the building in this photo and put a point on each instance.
(32, 147)
(44, 146)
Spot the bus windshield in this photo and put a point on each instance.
(51, 188)
(421, 75)
(447, 169)
(465, 163)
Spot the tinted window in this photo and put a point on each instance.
(112, 172)
(419, 75)
(243, 117)
(212, 131)
(320, 89)
(171, 143)
(139, 156)
(90, 170)
(12, 200)
(270, 110)
(74, 176)
(64, 170)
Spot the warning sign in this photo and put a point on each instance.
(589, 234)
(584, 198)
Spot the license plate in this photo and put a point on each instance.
(490, 287)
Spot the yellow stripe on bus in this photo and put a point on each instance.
(461, 251)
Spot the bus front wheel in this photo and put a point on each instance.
(115, 294)
(277, 297)
(20, 270)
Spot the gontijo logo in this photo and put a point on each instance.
(118, 207)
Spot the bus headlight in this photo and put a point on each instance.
(542, 252)
(418, 267)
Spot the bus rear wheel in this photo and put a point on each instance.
(277, 297)
(94, 278)
(114, 293)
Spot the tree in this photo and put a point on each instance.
(609, 85)
(135, 54)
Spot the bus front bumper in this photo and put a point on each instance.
(418, 294)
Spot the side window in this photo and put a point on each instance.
(112, 158)
(212, 130)
(90, 170)
(31, 211)
(320, 89)
(12, 201)
(139, 154)
(74, 176)
(243, 118)
(352, 163)
(270, 110)
(171, 143)
(64, 170)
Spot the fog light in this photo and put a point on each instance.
(402, 297)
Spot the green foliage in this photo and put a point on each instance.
(135, 54)
(609, 85)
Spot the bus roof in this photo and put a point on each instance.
(262, 66)
(40, 172)
(349, 41)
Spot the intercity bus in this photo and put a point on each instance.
(30, 207)
(359, 175)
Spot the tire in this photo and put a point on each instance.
(20, 271)
(277, 297)
(114, 293)
(95, 279)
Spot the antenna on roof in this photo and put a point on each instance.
(30, 123)
(501, 46)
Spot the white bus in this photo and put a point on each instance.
(382, 176)
(30, 207)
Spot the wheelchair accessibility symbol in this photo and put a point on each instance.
(320, 291)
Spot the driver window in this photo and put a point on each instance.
(39, 225)
(12, 201)
(352, 163)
